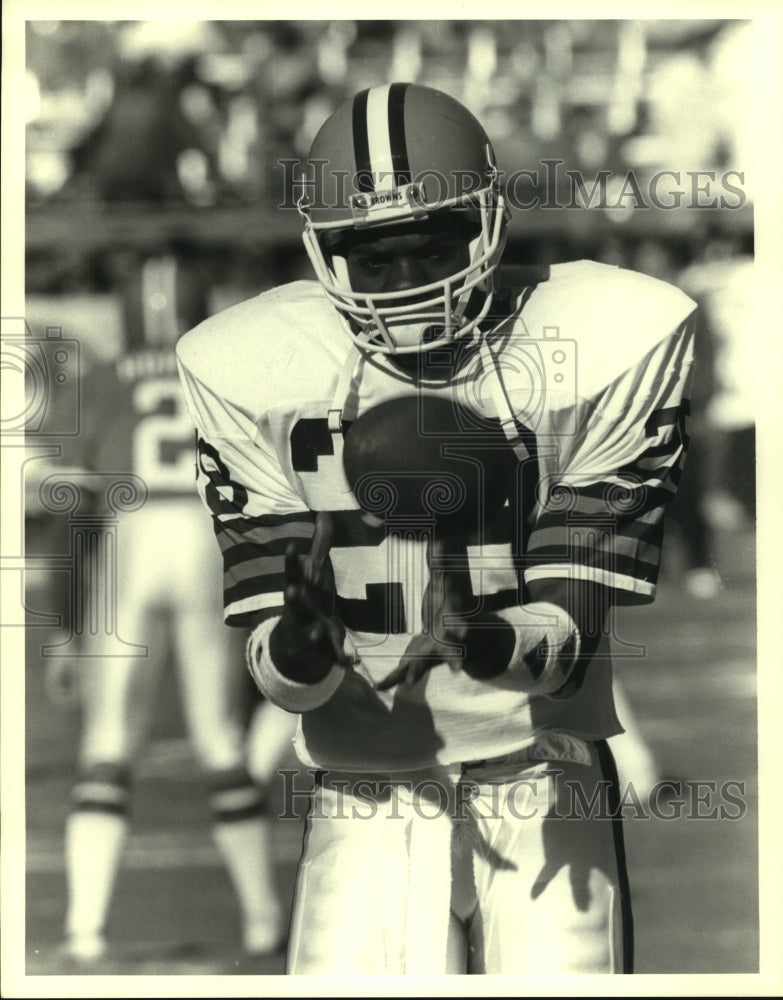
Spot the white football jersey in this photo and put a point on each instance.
(588, 375)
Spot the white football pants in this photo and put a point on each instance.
(485, 872)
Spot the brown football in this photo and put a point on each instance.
(426, 460)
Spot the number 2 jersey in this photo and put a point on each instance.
(135, 424)
(134, 420)
(588, 374)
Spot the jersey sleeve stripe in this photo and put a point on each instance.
(258, 572)
(254, 587)
(605, 526)
(652, 474)
(664, 450)
(630, 589)
(254, 554)
(250, 611)
(606, 497)
(235, 555)
(264, 527)
(594, 556)
(554, 541)
(636, 525)
(632, 524)
(260, 566)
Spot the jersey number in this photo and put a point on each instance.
(163, 436)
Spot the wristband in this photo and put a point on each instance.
(291, 695)
(542, 622)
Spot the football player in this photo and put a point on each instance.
(168, 600)
(454, 695)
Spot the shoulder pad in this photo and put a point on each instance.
(250, 351)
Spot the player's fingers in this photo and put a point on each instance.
(300, 604)
(407, 673)
(416, 670)
(315, 624)
(292, 566)
(336, 639)
(391, 680)
(315, 632)
(420, 656)
(299, 608)
(322, 542)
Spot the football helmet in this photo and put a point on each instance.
(395, 154)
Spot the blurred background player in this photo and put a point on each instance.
(722, 280)
(168, 600)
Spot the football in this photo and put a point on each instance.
(425, 460)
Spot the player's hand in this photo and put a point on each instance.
(446, 636)
(538, 642)
(308, 639)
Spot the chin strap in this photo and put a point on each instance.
(502, 403)
(346, 394)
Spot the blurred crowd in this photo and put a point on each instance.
(203, 111)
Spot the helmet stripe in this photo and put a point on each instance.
(402, 168)
(380, 149)
(361, 142)
(378, 137)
